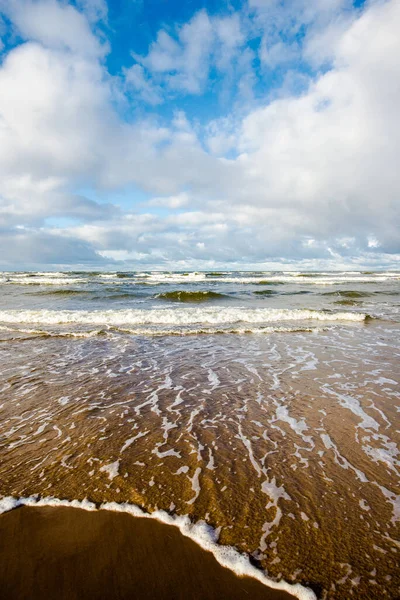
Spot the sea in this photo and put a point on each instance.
(257, 411)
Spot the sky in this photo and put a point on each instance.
(161, 134)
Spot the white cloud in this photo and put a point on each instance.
(278, 53)
(311, 177)
(37, 247)
(229, 39)
(330, 154)
(53, 24)
(295, 30)
(51, 107)
(137, 80)
(95, 10)
(177, 201)
(183, 62)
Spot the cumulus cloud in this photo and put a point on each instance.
(182, 62)
(294, 30)
(178, 201)
(95, 10)
(293, 178)
(330, 154)
(32, 248)
(137, 80)
(54, 24)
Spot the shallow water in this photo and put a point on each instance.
(283, 432)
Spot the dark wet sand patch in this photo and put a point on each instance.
(70, 553)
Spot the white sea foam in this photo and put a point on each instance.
(256, 278)
(111, 469)
(41, 332)
(303, 279)
(207, 330)
(187, 331)
(298, 426)
(160, 278)
(201, 533)
(8, 503)
(38, 280)
(170, 316)
(49, 274)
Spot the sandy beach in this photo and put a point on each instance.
(70, 553)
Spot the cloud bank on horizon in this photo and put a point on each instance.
(263, 134)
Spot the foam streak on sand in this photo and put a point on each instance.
(201, 533)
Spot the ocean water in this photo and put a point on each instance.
(265, 405)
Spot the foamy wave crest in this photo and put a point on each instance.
(161, 278)
(190, 296)
(24, 274)
(267, 277)
(43, 280)
(201, 533)
(307, 279)
(157, 277)
(44, 333)
(221, 330)
(164, 331)
(171, 316)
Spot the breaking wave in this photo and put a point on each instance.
(170, 316)
(347, 294)
(156, 278)
(62, 292)
(186, 296)
(160, 331)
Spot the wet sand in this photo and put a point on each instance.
(70, 553)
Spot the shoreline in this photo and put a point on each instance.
(67, 552)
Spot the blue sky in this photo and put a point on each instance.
(196, 135)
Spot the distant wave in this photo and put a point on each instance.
(190, 296)
(266, 292)
(348, 302)
(156, 278)
(261, 280)
(347, 294)
(115, 294)
(62, 292)
(34, 280)
(268, 278)
(296, 293)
